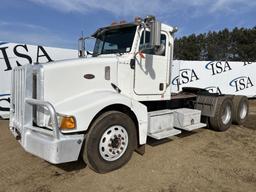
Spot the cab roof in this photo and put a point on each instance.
(116, 26)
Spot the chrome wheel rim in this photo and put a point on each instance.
(243, 111)
(226, 116)
(113, 143)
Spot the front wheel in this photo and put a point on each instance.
(110, 142)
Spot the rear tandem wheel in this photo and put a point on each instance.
(222, 119)
(240, 110)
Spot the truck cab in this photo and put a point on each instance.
(104, 107)
(140, 62)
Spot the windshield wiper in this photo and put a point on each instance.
(119, 53)
(116, 52)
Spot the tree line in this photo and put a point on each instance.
(238, 44)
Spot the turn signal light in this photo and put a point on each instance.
(68, 122)
(137, 20)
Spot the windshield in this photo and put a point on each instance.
(114, 41)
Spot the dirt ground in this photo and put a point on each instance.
(200, 161)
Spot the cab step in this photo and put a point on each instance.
(164, 134)
(192, 127)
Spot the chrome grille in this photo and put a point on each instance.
(27, 83)
(18, 96)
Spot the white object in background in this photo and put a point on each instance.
(13, 54)
(227, 77)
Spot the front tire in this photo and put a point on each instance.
(110, 142)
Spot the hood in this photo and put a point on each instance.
(81, 61)
(65, 80)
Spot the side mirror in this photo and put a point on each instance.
(155, 33)
(84, 51)
(154, 46)
(155, 38)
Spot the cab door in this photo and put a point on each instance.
(150, 74)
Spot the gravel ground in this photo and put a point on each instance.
(203, 160)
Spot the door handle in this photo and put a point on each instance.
(161, 86)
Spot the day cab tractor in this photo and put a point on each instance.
(104, 107)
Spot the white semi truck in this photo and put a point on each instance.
(104, 107)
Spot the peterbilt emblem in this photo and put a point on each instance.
(89, 76)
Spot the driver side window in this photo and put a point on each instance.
(147, 41)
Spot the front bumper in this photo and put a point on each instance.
(50, 145)
(64, 149)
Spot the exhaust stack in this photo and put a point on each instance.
(81, 46)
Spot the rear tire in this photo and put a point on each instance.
(240, 110)
(222, 118)
(110, 142)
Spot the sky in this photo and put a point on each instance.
(59, 23)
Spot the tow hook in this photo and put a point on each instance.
(18, 135)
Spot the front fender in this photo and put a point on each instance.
(86, 106)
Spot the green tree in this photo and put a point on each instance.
(236, 45)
